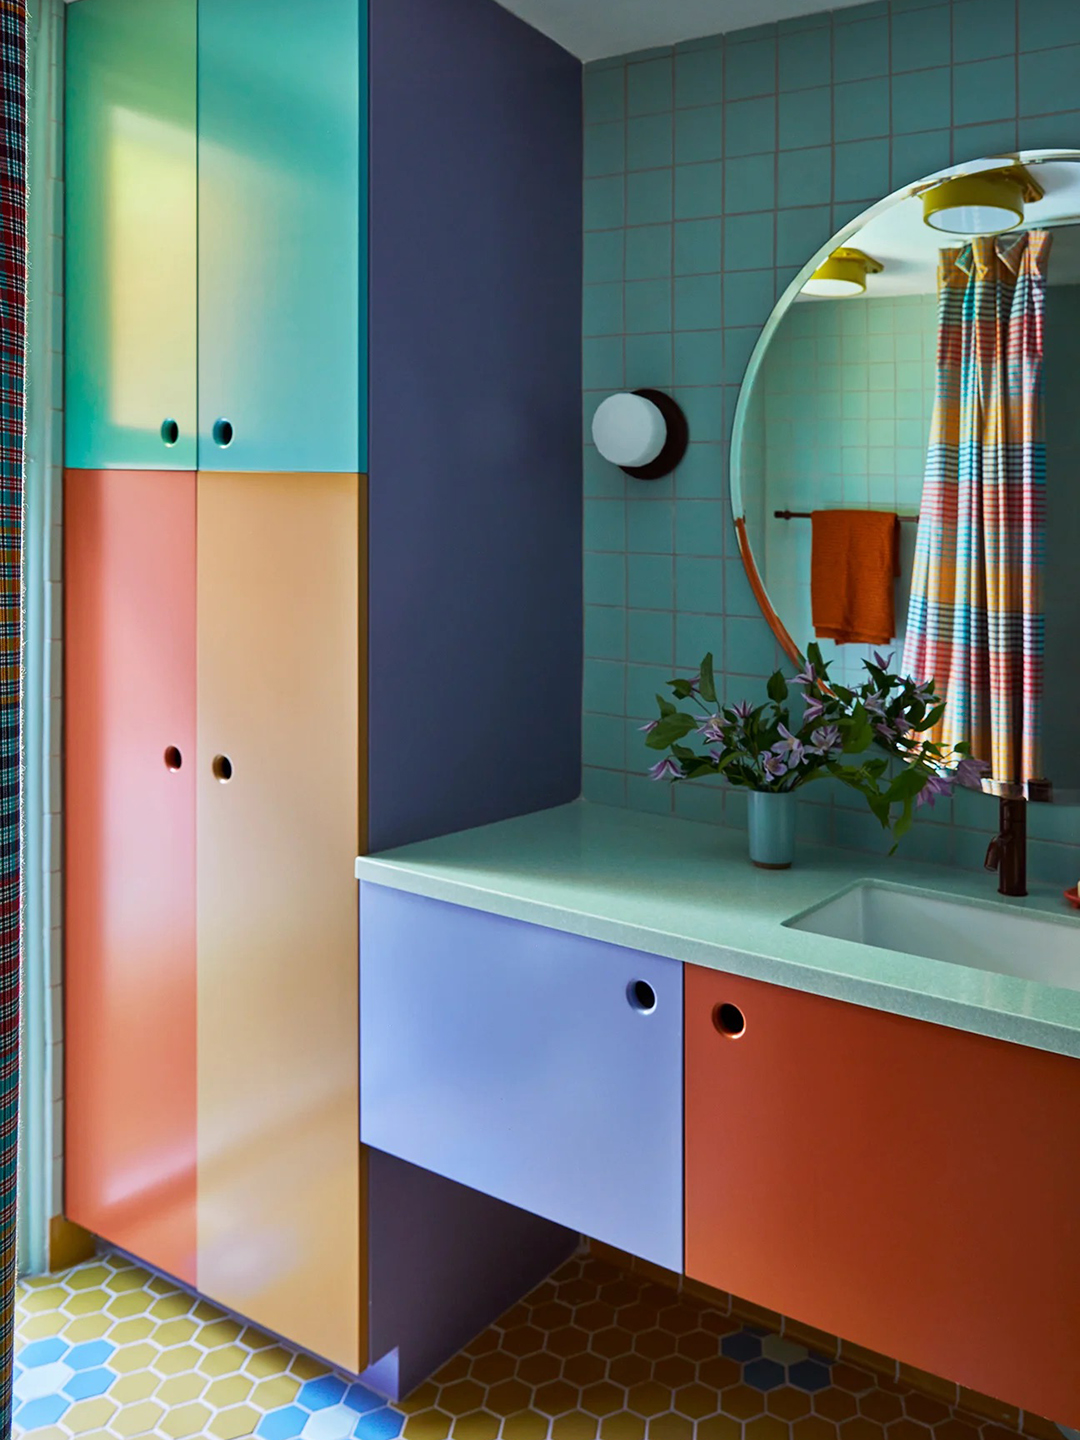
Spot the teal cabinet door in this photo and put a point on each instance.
(131, 167)
(280, 222)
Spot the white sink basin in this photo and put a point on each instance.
(997, 938)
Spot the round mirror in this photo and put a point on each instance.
(905, 451)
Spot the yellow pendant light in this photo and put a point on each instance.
(988, 202)
(842, 274)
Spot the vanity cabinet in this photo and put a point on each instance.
(538, 1067)
(216, 181)
(910, 1187)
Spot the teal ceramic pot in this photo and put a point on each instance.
(771, 818)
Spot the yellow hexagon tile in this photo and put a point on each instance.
(131, 1302)
(87, 1277)
(229, 1390)
(129, 1358)
(186, 1420)
(128, 1278)
(218, 1332)
(178, 1360)
(228, 1360)
(87, 1327)
(256, 1339)
(87, 1416)
(264, 1363)
(171, 1307)
(139, 1385)
(277, 1391)
(232, 1424)
(137, 1419)
(129, 1332)
(174, 1332)
(47, 1297)
(435, 1424)
(42, 1327)
(306, 1367)
(178, 1389)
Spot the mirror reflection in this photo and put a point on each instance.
(906, 451)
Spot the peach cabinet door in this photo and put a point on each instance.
(277, 819)
(911, 1188)
(129, 736)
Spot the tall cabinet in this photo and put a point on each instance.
(213, 673)
(270, 659)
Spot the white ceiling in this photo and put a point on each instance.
(595, 29)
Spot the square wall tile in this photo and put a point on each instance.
(603, 256)
(984, 90)
(649, 362)
(983, 28)
(1045, 24)
(605, 149)
(651, 637)
(862, 170)
(605, 632)
(697, 246)
(806, 118)
(922, 100)
(804, 177)
(1050, 81)
(650, 581)
(602, 362)
(648, 252)
(861, 109)
(698, 190)
(750, 69)
(699, 76)
(749, 241)
(649, 87)
(604, 94)
(921, 39)
(647, 306)
(648, 142)
(648, 197)
(805, 58)
(605, 203)
(750, 126)
(860, 47)
(602, 309)
(605, 579)
(605, 687)
(697, 302)
(750, 183)
(699, 134)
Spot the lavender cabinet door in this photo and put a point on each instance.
(539, 1067)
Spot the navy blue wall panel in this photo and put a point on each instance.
(475, 419)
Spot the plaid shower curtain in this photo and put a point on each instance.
(975, 622)
(12, 338)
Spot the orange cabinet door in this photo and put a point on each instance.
(129, 735)
(909, 1187)
(278, 834)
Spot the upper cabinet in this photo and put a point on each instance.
(217, 244)
(281, 239)
(131, 167)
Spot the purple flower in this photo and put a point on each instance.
(969, 772)
(648, 728)
(882, 661)
(666, 769)
(713, 730)
(827, 737)
(814, 709)
(893, 730)
(808, 676)
(937, 785)
(743, 710)
(775, 766)
(874, 704)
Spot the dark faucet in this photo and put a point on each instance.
(1007, 852)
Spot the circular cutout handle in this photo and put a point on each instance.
(173, 758)
(170, 432)
(641, 997)
(222, 767)
(223, 433)
(730, 1021)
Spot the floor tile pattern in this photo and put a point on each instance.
(594, 1353)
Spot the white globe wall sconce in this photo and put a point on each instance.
(644, 432)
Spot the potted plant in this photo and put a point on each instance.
(857, 736)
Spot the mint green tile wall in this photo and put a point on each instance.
(712, 171)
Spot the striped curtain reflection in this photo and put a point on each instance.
(975, 622)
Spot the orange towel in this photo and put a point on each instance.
(854, 563)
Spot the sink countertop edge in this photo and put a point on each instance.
(597, 871)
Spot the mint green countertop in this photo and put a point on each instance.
(687, 891)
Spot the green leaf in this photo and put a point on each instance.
(671, 728)
(682, 689)
(708, 680)
(777, 687)
(813, 654)
(666, 707)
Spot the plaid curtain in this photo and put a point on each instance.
(12, 340)
(975, 623)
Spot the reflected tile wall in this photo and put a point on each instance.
(713, 170)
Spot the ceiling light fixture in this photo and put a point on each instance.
(842, 274)
(988, 203)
